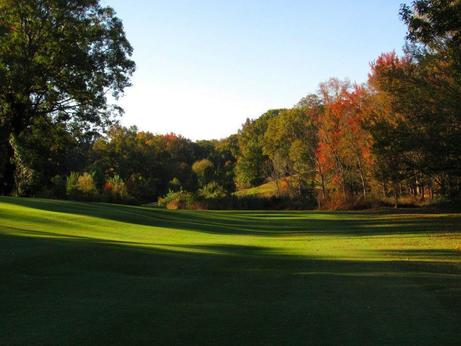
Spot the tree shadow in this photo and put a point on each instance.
(434, 254)
(80, 291)
(252, 222)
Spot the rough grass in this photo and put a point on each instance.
(268, 189)
(82, 273)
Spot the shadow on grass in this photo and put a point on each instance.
(435, 254)
(253, 222)
(77, 291)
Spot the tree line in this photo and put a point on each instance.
(396, 137)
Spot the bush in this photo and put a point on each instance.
(175, 184)
(142, 189)
(178, 200)
(85, 184)
(58, 186)
(114, 190)
(81, 187)
(212, 191)
(71, 184)
(188, 200)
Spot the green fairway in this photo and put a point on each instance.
(82, 273)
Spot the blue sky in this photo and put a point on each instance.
(203, 66)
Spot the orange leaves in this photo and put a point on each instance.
(385, 65)
(389, 60)
(171, 136)
(344, 148)
(108, 186)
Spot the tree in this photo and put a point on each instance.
(144, 161)
(290, 142)
(44, 151)
(344, 145)
(434, 23)
(204, 169)
(252, 164)
(310, 101)
(59, 60)
(223, 154)
(422, 90)
(434, 35)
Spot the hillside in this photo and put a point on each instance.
(268, 189)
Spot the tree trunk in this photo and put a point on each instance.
(322, 180)
(384, 190)
(7, 167)
(362, 178)
(423, 196)
(396, 194)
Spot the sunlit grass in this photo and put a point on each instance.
(60, 256)
(340, 235)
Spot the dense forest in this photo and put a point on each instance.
(395, 138)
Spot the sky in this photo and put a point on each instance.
(204, 66)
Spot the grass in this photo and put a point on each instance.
(268, 189)
(82, 273)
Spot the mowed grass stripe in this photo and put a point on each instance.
(84, 273)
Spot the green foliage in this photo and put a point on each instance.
(291, 142)
(223, 154)
(204, 170)
(421, 93)
(434, 23)
(212, 191)
(81, 187)
(146, 162)
(72, 182)
(397, 136)
(45, 150)
(175, 185)
(177, 200)
(25, 177)
(115, 189)
(60, 72)
(142, 189)
(85, 184)
(58, 187)
(252, 164)
(310, 102)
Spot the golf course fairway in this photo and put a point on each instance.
(93, 273)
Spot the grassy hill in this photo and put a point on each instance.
(82, 273)
(268, 189)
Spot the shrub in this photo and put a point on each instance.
(142, 189)
(187, 200)
(58, 186)
(178, 200)
(212, 191)
(85, 184)
(175, 184)
(71, 184)
(81, 187)
(114, 190)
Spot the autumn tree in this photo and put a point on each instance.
(343, 152)
(416, 128)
